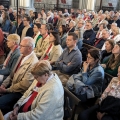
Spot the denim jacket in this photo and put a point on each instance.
(94, 77)
(6, 26)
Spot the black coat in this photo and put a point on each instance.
(20, 28)
(118, 22)
(89, 37)
(111, 106)
(99, 42)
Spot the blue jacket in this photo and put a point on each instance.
(6, 27)
(13, 59)
(94, 78)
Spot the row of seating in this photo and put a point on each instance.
(73, 105)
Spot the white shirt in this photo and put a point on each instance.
(26, 57)
(35, 38)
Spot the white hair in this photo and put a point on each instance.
(30, 41)
(115, 24)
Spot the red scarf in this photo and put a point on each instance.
(31, 99)
(97, 42)
(46, 55)
(9, 56)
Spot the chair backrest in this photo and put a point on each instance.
(107, 80)
(90, 47)
(70, 105)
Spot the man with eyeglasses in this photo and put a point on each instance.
(80, 28)
(13, 88)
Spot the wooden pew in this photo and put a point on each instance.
(71, 105)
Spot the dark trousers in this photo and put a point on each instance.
(8, 100)
(91, 114)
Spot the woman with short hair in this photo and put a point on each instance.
(43, 100)
(13, 41)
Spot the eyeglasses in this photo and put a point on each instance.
(24, 20)
(24, 46)
(89, 57)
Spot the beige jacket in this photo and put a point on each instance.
(22, 78)
(55, 53)
(41, 46)
(48, 105)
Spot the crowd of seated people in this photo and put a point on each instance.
(57, 41)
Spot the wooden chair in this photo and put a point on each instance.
(70, 105)
(106, 81)
(1, 116)
(90, 47)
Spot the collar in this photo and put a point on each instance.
(26, 58)
(75, 48)
(50, 77)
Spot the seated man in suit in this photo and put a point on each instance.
(13, 88)
(89, 35)
(70, 61)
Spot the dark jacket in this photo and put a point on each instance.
(12, 18)
(105, 55)
(99, 43)
(89, 37)
(72, 30)
(30, 32)
(20, 28)
(118, 22)
(1, 43)
(111, 106)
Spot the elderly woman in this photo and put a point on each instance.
(91, 76)
(43, 100)
(13, 41)
(108, 107)
(116, 34)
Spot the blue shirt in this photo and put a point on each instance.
(74, 58)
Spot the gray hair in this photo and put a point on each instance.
(30, 41)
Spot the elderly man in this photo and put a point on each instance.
(13, 88)
(100, 43)
(70, 61)
(80, 28)
(89, 35)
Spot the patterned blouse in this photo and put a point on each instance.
(113, 89)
